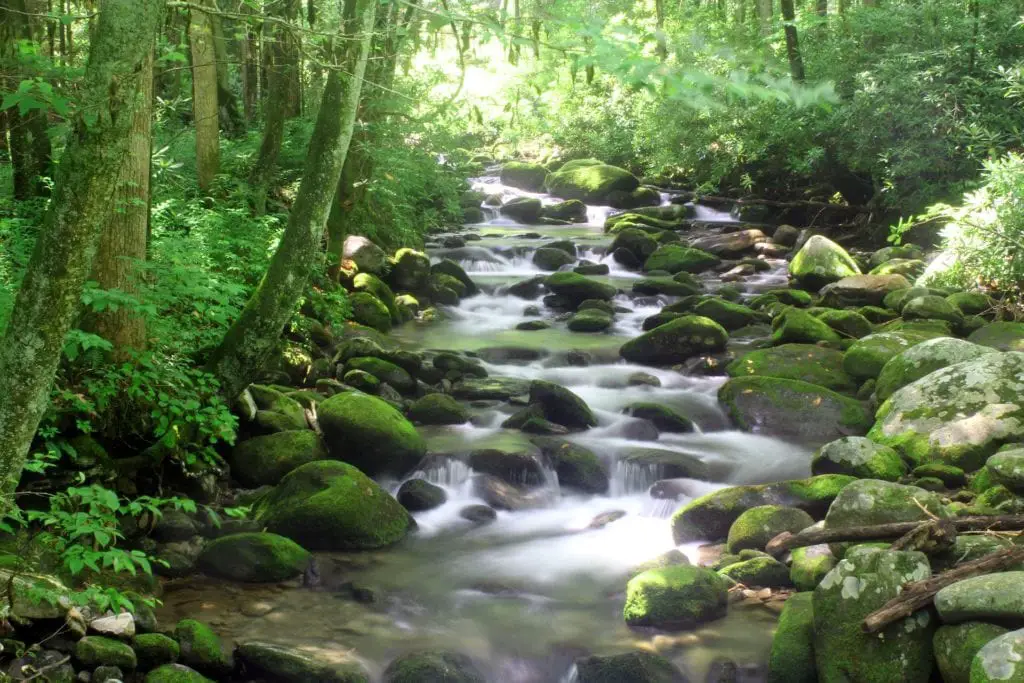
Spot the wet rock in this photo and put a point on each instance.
(368, 433)
(552, 259)
(591, 184)
(522, 209)
(859, 457)
(675, 598)
(643, 379)
(561, 405)
(805, 362)
(1004, 336)
(438, 409)
(524, 175)
(675, 258)
(490, 388)
(577, 467)
(766, 572)
(810, 565)
(254, 557)
(287, 665)
(519, 468)
(420, 667)
(1001, 659)
(93, 651)
(955, 648)
(154, 650)
(571, 210)
(635, 667)
(175, 673)
(266, 459)
(578, 288)
(592, 269)
(795, 326)
(663, 417)
(330, 505)
(671, 464)
(793, 410)
(590, 320)
(758, 525)
(637, 243)
(861, 290)
(958, 415)
(821, 261)
(732, 244)
(856, 587)
(453, 269)
(577, 358)
(729, 315)
(503, 496)
(605, 518)
(410, 272)
(990, 597)
(792, 654)
(871, 501)
(676, 341)
(923, 359)
(478, 514)
(664, 285)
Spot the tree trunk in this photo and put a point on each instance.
(125, 233)
(231, 121)
(250, 69)
(659, 11)
(796, 62)
(204, 98)
(48, 299)
(822, 8)
(276, 106)
(764, 16)
(250, 341)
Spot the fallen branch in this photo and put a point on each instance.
(919, 594)
(880, 532)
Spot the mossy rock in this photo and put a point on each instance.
(792, 654)
(577, 467)
(663, 417)
(634, 667)
(263, 460)
(795, 326)
(805, 362)
(911, 268)
(1007, 468)
(675, 258)
(809, 566)
(270, 400)
(202, 649)
(859, 585)
(1003, 336)
(438, 409)
(849, 324)
(410, 271)
(959, 415)
(578, 288)
(956, 645)
(552, 259)
(931, 307)
(330, 505)
(664, 285)
(793, 410)
(454, 270)
(711, 516)
(971, 303)
(365, 255)
(821, 261)
(93, 651)
(367, 282)
(758, 525)
(385, 371)
(367, 432)
(637, 242)
(370, 311)
(590, 320)
(676, 341)
(417, 495)
(859, 457)
(763, 572)
(273, 662)
(254, 557)
(590, 184)
(675, 598)
(561, 406)
(867, 356)
(729, 315)
(923, 359)
(785, 297)
(175, 673)
(572, 210)
(872, 501)
(524, 175)
(899, 251)
(1000, 660)
(861, 290)
(154, 650)
(433, 666)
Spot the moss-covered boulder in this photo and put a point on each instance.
(1000, 660)
(971, 303)
(590, 320)
(866, 357)
(561, 406)
(729, 315)
(271, 662)
(438, 409)
(758, 525)
(792, 654)
(591, 184)
(367, 432)
(263, 460)
(1007, 468)
(872, 501)
(796, 326)
(550, 260)
(663, 417)
(821, 261)
(635, 667)
(453, 269)
(793, 410)
(385, 371)
(989, 597)
(675, 598)
(637, 242)
(433, 665)
(572, 210)
(911, 268)
(202, 649)
(861, 290)
(577, 467)
(805, 362)
(857, 586)
(676, 341)
(175, 673)
(849, 324)
(330, 505)
(155, 649)
(367, 282)
(956, 645)
(959, 415)
(931, 307)
(93, 651)
(711, 516)
(675, 258)
(923, 359)
(665, 285)
(809, 566)
(417, 495)
(577, 288)
(524, 175)
(254, 557)
(370, 311)
(763, 572)
(410, 272)
(1004, 336)
(859, 457)
(899, 251)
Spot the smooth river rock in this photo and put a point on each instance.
(991, 597)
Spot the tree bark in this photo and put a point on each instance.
(204, 98)
(250, 341)
(764, 16)
(796, 62)
(125, 233)
(231, 120)
(659, 12)
(48, 299)
(279, 77)
(250, 69)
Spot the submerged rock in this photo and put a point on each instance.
(675, 598)
(634, 667)
(287, 665)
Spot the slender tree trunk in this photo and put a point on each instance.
(125, 233)
(293, 67)
(659, 11)
(251, 69)
(276, 106)
(84, 197)
(250, 341)
(796, 62)
(204, 98)
(231, 121)
(764, 16)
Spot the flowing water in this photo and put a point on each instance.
(531, 591)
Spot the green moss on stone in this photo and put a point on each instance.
(792, 654)
(254, 557)
(677, 597)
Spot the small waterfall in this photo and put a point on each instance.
(631, 478)
(449, 472)
(572, 676)
(706, 213)
(659, 508)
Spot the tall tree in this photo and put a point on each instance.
(204, 96)
(764, 16)
(125, 234)
(250, 67)
(659, 22)
(252, 338)
(84, 198)
(796, 62)
(231, 119)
